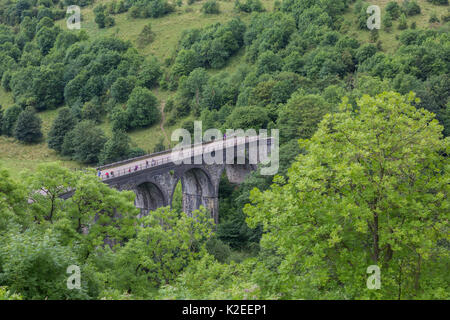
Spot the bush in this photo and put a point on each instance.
(146, 36)
(393, 9)
(64, 122)
(411, 8)
(433, 18)
(402, 25)
(9, 120)
(249, 6)
(93, 110)
(150, 73)
(387, 22)
(220, 250)
(84, 143)
(28, 127)
(142, 108)
(211, 7)
(122, 87)
(117, 148)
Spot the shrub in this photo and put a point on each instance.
(146, 36)
(393, 9)
(433, 18)
(64, 122)
(249, 6)
(9, 120)
(28, 127)
(220, 250)
(402, 25)
(211, 7)
(411, 8)
(84, 143)
(142, 108)
(387, 21)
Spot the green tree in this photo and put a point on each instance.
(146, 36)
(84, 143)
(93, 110)
(393, 9)
(28, 126)
(34, 264)
(167, 242)
(150, 73)
(64, 122)
(250, 117)
(371, 189)
(299, 117)
(211, 7)
(402, 24)
(46, 37)
(9, 120)
(100, 16)
(122, 87)
(142, 108)
(116, 148)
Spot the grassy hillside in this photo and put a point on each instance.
(168, 29)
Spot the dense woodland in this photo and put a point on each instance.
(364, 169)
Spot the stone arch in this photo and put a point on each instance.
(199, 189)
(239, 169)
(149, 197)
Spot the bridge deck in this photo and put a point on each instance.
(152, 160)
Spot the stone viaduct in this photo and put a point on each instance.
(154, 177)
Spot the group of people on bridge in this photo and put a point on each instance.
(109, 174)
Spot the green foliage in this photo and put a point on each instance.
(299, 117)
(122, 87)
(164, 236)
(63, 123)
(142, 108)
(410, 7)
(46, 37)
(5, 294)
(218, 249)
(393, 9)
(150, 73)
(28, 126)
(84, 143)
(387, 21)
(209, 47)
(102, 18)
(209, 279)
(34, 265)
(249, 6)
(371, 189)
(9, 120)
(402, 24)
(250, 117)
(116, 148)
(93, 110)
(211, 7)
(146, 36)
(433, 18)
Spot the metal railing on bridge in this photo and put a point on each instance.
(118, 169)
